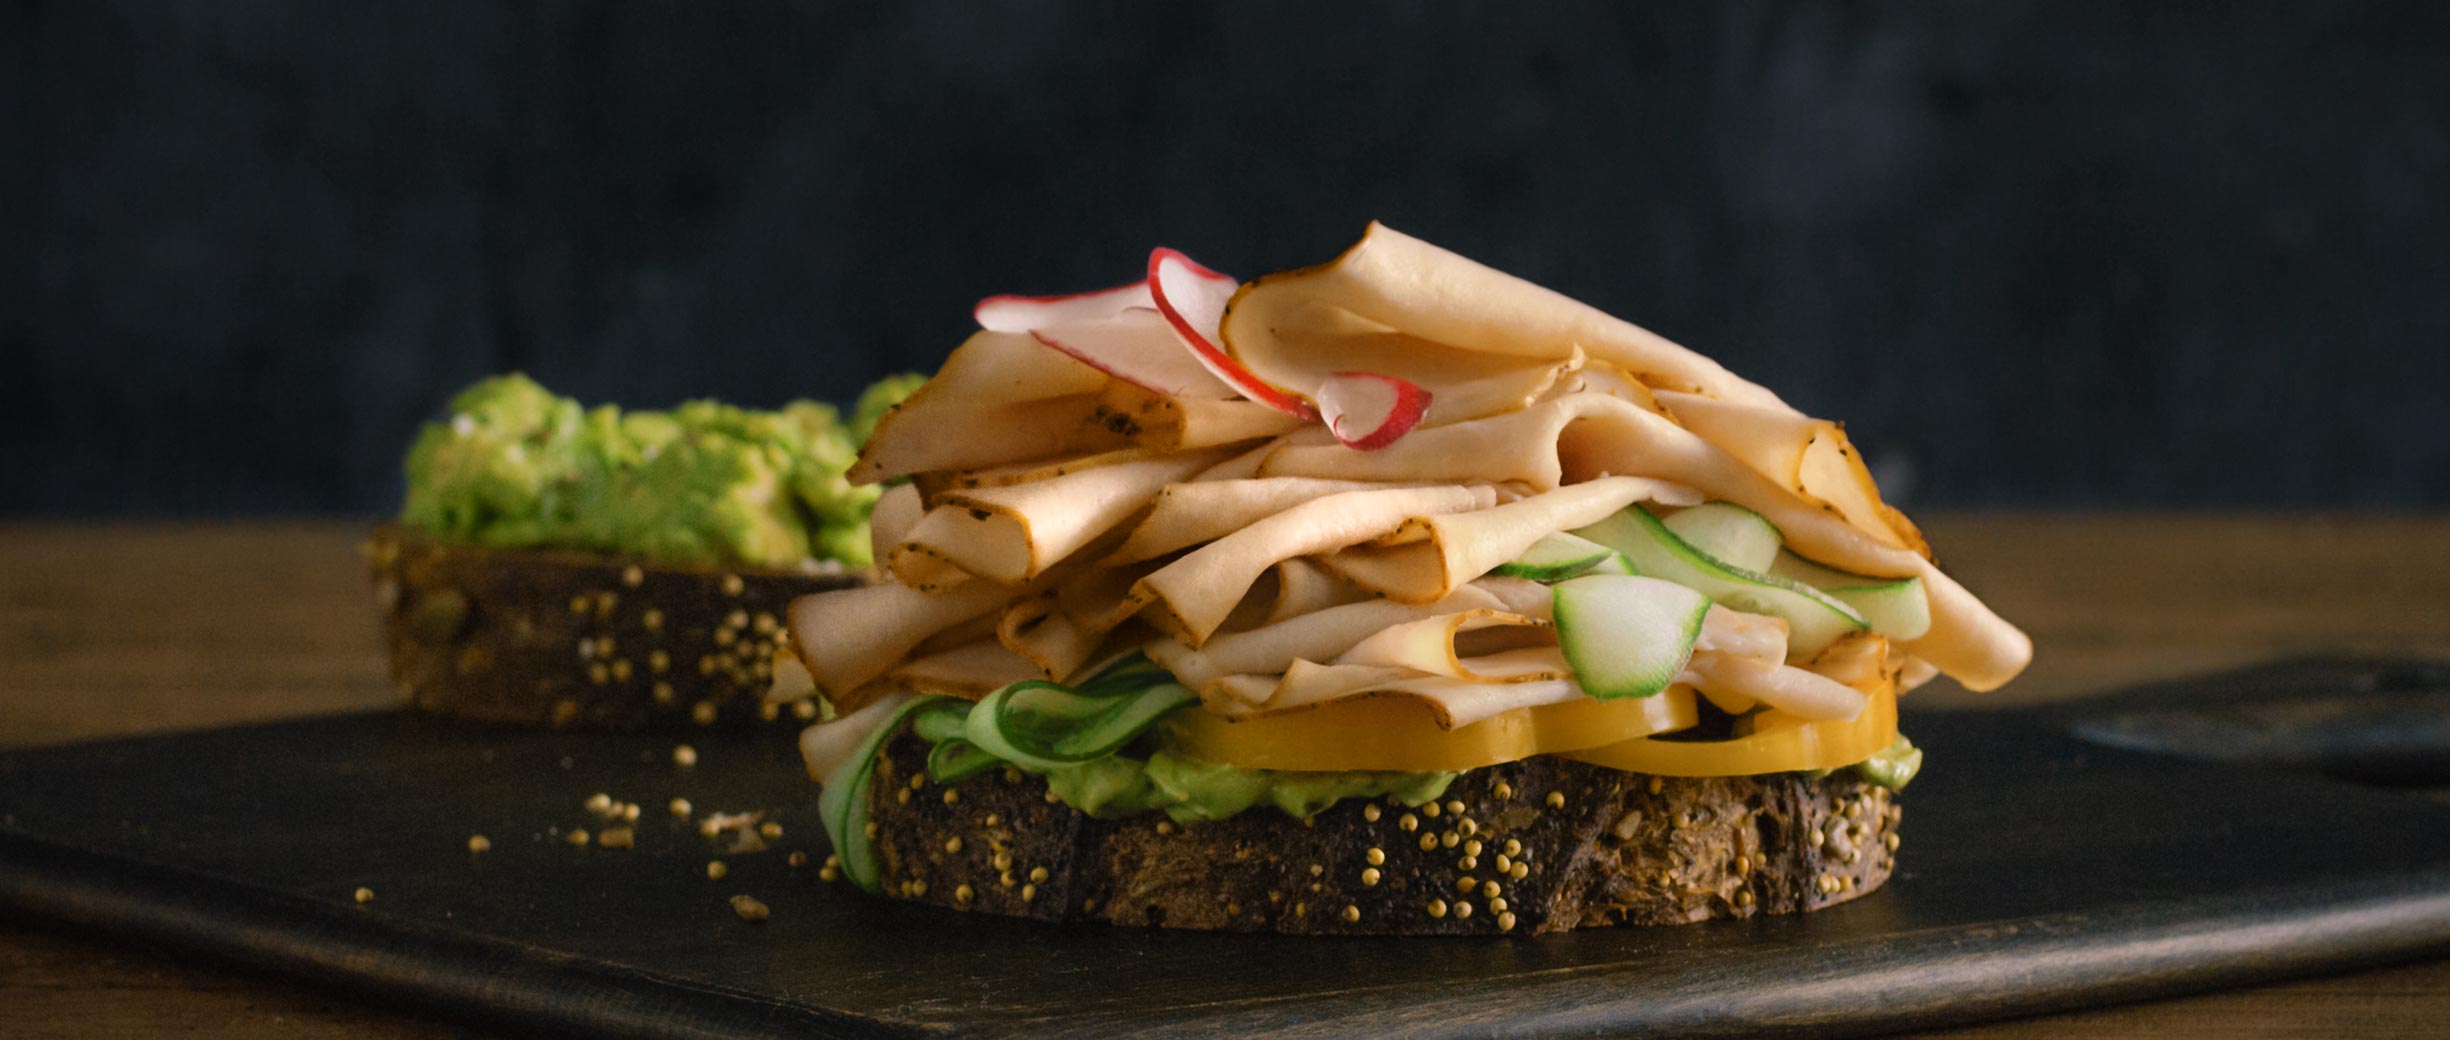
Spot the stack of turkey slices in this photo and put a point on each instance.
(1487, 612)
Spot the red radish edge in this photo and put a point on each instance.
(1406, 402)
(1008, 313)
(1162, 261)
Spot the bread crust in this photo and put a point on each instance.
(1541, 845)
(580, 639)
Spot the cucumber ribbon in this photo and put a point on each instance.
(1035, 725)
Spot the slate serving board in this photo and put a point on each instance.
(2039, 872)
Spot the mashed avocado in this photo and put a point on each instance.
(516, 466)
(1189, 789)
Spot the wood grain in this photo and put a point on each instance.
(109, 631)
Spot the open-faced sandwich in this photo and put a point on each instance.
(560, 564)
(1394, 595)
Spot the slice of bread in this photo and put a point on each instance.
(577, 638)
(1540, 845)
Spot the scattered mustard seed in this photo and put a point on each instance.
(715, 869)
(750, 909)
(684, 756)
(364, 895)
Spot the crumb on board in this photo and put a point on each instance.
(749, 908)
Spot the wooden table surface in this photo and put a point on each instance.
(106, 631)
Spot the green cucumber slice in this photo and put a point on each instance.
(1730, 534)
(956, 760)
(1627, 636)
(1560, 556)
(1814, 620)
(1129, 673)
(843, 802)
(1044, 725)
(1896, 607)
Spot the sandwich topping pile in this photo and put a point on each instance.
(1279, 572)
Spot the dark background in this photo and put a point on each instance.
(2036, 253)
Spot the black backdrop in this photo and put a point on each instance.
(2034, 252)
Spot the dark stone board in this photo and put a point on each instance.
(2038, 873)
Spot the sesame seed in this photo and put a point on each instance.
(1455, 808)
(964, 894)
(479, 843)
(1408, 823)
(1165, 826)
(1889, 841)
(684, 756)
(715, 869)
(803, 709)
(764, 624)
(1430, 810)
(578, 604)
(1657, 784)
(1029, 892)
(1462, 910)
(598, 674)
(1375, 856)
(1369, 876)
(363, 895)
(1473, 847)
(1002, 860)
(1428, 842)
(1504, 863)
(653, 619)
(1370, 812)
(869, 829)
(617, 838)
(1502, 790)
(1352, 914)
(598, 803)
(918, 887)
(1489, 890)
(1038, 874)
(1743, 897)
(663, 693)
(702, 713)
(576, 837)
(1450, 839)
(1513, 847)
(1520, 871)
(828, 873)
(951, 796)
(1437, 908)
(1468, 827)
(1316, 870)
(1556, 799)
(732, 585)
(679, 807)
(750, 909)
(736, 619)
(798, 858)
(632, 576)
(1466, 884)
(770, 829)
(901, 797)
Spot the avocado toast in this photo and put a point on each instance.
(568, 565)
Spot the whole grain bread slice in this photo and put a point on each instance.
(1540, 845)
(577, 638)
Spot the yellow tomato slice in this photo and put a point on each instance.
(1776, 745)
(1401, 734)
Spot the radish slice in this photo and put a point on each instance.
(1031, 313)
(1193, 299)
(1137, 347)
(1369, 410)
(1116, 331)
